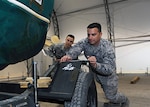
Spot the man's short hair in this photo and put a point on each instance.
(70, 35)
(95, 25)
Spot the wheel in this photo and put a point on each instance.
(85, 94)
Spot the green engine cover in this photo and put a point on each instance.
(22, 34)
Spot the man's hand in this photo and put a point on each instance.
(65, 58)
(93, 61)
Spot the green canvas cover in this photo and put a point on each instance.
(22, 34)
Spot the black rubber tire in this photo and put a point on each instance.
(85, 94)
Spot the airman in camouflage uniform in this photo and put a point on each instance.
(59, 50)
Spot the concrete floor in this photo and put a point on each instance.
(138, 93)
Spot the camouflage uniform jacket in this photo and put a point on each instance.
(105, 55)
(57, 50)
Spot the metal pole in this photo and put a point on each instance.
(35, 84)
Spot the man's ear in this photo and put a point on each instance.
(100, 34)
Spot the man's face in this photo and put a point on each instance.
(69, 41)
(94, 36)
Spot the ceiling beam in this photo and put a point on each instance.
(89, 8)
